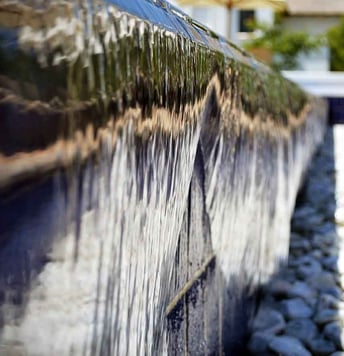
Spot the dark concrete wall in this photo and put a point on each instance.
(148, 172)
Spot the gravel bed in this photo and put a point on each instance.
(301, 311)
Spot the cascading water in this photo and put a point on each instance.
(148, 172)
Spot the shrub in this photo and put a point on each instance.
(335, 40)
(286, 46)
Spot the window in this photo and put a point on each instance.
(245, 16)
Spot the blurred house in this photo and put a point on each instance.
(311, 16)
(314, 17)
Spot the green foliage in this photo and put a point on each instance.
(286, 46)
(335, 40)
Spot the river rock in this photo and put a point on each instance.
(298, 246)
(305, 260)
(258, 343)
(322, 281)
(334, 291)
(313, 301)
(317, 254)
(334, 332)
(305, 271)
(324, 229)
(308, 223)
(288, 346)
(310, 268)
(303, 212)
(279, 288)
(324, 240)
(296, 308)
(288, 275)
(329, 210)
(321, 347)
(269, 320)
(324, 316)
(330, 251)
(293, 261)
(318, 193)
(305, 225)
(328, 301)
(330, 263)
(303, 329)
(302, 290)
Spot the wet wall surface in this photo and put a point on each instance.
(148, 172)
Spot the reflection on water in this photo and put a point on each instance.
(147, 167)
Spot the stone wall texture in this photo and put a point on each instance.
(148, 173)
